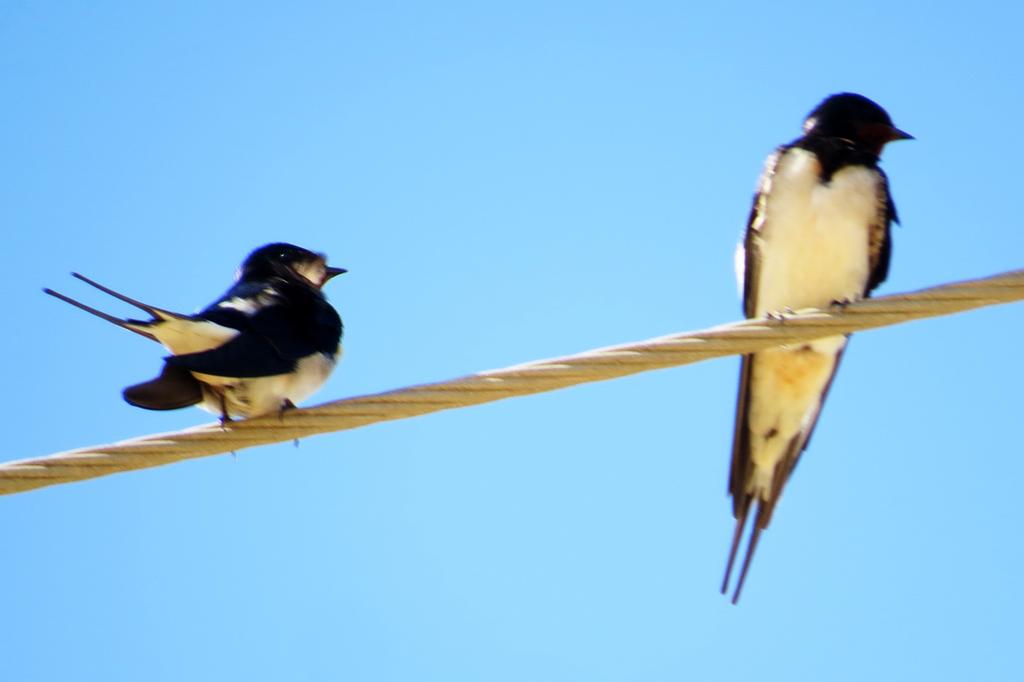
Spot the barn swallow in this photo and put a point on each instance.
(818, 235)
(269, 342)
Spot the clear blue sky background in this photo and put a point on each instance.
(505, 183)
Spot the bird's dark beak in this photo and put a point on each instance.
(897, 134)
(330, 273)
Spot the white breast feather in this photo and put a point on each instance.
(814, 237)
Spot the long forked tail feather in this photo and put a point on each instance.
(158, 313)
(741, 522)
(139, 327)
(755, 535)
(759, 523)
(124, 324)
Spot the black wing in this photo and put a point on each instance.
(751, 275)
(239, 303)
(739, 471)
(298, 323)
(880, 236)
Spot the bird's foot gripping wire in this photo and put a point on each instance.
(780, 315)
(286, 406)
(225, 418)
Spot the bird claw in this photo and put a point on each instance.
(225, 418)
(779, 316)
(286, 405)
(841, 303)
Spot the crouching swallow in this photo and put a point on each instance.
(818, 235)
(266, 344)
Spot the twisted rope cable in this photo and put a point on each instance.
(600, 364)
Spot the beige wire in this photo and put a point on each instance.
(533, 377)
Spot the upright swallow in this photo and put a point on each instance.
(818, 235)
(269, 342)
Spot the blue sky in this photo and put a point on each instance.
(505, 182)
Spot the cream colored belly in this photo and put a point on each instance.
(814, 248)
(252, 397)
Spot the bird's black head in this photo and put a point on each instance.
(855, 118)
(289, 261)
